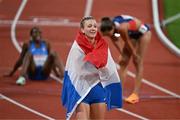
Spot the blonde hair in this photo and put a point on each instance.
(84, 19)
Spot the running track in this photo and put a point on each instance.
(59, 23)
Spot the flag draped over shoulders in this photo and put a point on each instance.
(86, 66)
(97, 54)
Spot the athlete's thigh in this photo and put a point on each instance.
(98, 110)
(126, 55)
(32, 66)
(48, 65)
(83, 110)
(143, 44)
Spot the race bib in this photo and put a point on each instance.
(40, 59)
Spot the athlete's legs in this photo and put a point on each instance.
(98, 111)
(132, 98)
(59, 66)
(28, 65)
(52, 63)
(126, 55)
(141, 49)
(83, 111)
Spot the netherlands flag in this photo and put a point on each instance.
(86, 66)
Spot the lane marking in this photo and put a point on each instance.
(13, 27)
(48, 22)
(25, 107)
(38, 22)
(155, 86)
(133, 114)
(88, 8)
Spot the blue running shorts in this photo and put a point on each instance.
(96, 95)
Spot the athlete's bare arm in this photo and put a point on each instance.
(19, 61)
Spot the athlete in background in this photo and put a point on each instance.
(136, 36)
(37, 60)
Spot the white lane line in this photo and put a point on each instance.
(40, 23)
(48, 22)
(133, 114)
(13, 27)
(155, 86)
(147, 82)
(89, 4)
(25, 107)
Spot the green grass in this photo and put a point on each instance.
(171, 8)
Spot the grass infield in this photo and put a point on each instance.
(171, 8)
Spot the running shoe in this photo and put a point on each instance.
(132, 99)
(21, 81)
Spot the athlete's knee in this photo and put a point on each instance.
(28, 55)
(138, 64)
(28, 58)
(53, 54)
(124, 61)
(81, 115)
(52, 57)
(121, 63)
